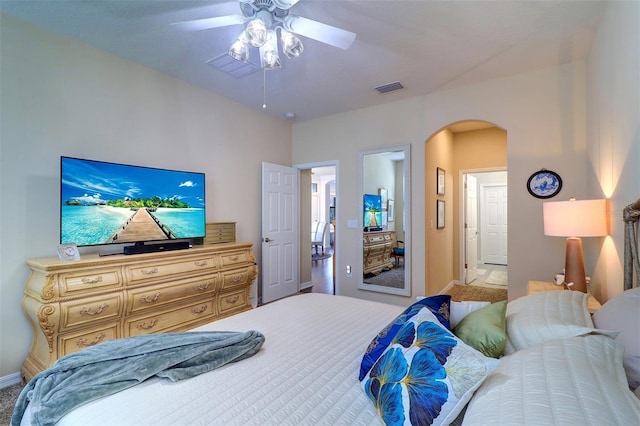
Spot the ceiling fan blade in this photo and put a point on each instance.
(324, 33)
(283, 4)
(205, 24)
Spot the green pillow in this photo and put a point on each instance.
(485, 329)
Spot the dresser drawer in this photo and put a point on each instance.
(237, 277)
(234, 258)
(222, 232)
(73, 342)
(233, 302)
(159, 271)
(159, 295)
(83, 281)
(89, 310)
(176, 319)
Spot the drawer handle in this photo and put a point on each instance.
(234, 258)
(93, 280)
(88, 311)
(148, 299)
(144, 326)
(203, 286)
(236, 278)
(201, 263)
(232, 299)
(149, 271)
(83, 343)
(199, 310)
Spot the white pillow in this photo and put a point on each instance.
(548, 315)
(622, 313)
(575, 381)
(459, 310)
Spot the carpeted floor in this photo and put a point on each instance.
(393, 277)
(8, 397)
(476, 293)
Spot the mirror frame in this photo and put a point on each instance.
(406, 149)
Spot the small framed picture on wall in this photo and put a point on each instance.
(440, 181)
(440, 214)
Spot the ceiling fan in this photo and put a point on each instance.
(274, 14)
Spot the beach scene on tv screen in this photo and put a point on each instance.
(106, 203)
(372, 210)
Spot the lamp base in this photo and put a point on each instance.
(574, 265)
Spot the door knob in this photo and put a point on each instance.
(267, 240)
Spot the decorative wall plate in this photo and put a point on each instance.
(544, 184)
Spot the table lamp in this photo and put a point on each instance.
(574, 219)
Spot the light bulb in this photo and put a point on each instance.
(291, 45)
(256, 32)
(239, 50)
(271, 60)
(270, 57)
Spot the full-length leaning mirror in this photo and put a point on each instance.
(386, 232)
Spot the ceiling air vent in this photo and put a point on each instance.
(237, 69)
(390, 87)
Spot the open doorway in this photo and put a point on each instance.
(319, 223)
(484, 227)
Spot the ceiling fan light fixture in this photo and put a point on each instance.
(239, 50)
(291, 45)
(256, 32)
(269, 52)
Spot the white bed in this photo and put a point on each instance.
(321, 337)
(307, 371)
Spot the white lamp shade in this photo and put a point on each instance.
(575, 218)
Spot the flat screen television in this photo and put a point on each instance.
(372, 211)
(109, 203)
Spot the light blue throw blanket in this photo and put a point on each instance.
(115, 365)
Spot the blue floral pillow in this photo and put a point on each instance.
(427, 375)
(439, 305)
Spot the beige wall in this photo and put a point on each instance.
(543, 113)
(305, 237)
(439, 242)
(613, 135)
(63, 98)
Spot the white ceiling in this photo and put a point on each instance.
(427, 45)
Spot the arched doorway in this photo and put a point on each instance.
(468, 145)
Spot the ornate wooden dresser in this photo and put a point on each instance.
(376, 247)
(75, 304)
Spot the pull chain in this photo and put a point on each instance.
(264, 88)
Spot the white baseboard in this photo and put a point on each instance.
(304, 286)
(10, 380)
(449, 286)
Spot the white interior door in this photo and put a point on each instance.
(471, 228)
(280, 251)
(494, 232)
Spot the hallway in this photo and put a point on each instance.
(322, 275)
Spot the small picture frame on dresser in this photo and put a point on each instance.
(68, 252)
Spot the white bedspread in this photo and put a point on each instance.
(305, 374)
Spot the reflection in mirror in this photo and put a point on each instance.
(386, 236)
